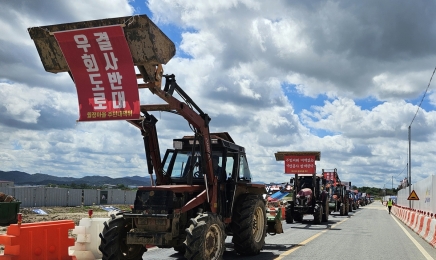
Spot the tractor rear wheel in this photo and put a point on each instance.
(113, 241)
(317, 215)
(325, 214)
(298, 217)
(346, 209)
(249, 224)
(205, 238)
(288, 215)
(180, 248)
(342, 209)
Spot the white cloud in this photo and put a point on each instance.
(24, 103)
(240, 54)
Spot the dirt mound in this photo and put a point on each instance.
(6, 198)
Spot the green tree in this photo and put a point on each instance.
(121, 187)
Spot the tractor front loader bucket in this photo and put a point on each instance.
(148, 45)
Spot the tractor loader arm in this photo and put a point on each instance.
(149, 48)
(192, 113)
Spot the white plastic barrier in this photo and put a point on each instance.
(87, 242)
(423, 223)
(426, 227)
(431, 237)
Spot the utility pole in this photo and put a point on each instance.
(392, 185)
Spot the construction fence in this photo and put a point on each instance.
(63, 197)
(426, 192)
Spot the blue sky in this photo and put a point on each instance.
(333, 76)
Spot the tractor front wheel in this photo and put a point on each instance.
(346, 208)
(249, 224)
(342, 209)
(113, 241)
(317, 215)
(288, 215)
(205, 238)
(180, 248)
(298, 217)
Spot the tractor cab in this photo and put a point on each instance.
(183, 164)
(306, 182)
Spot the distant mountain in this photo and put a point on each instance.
(22, 178)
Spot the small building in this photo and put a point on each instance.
(6, 184)
(109, 186)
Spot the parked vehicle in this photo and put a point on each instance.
(354, 200)
(338, 196)
(309, 198)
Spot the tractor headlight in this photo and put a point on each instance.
(177, 145)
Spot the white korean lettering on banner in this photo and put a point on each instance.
(111, 62)
(98, 92)
(114, 76)
(99, 100)
(103, 41)
(90, 63)
(92, 66)
(82, 42)
(121, 99)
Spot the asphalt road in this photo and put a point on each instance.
(368, 233)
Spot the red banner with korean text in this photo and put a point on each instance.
(296, 164)
(330, 177)
(102, 68)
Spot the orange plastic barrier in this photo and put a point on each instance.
(38, 241)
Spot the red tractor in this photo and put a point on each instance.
(203, 189)
(339, 201)
(308, 194)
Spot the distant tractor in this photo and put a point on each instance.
(348, 195)
(353, 200)
(309, 198)
(339, 201)
(308, 194)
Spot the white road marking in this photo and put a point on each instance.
(420, 248)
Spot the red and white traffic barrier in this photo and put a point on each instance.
(431, 237)
(426, 227)
(423, 223)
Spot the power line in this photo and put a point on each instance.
(420, 103)
(401, 171)
(410, 127)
